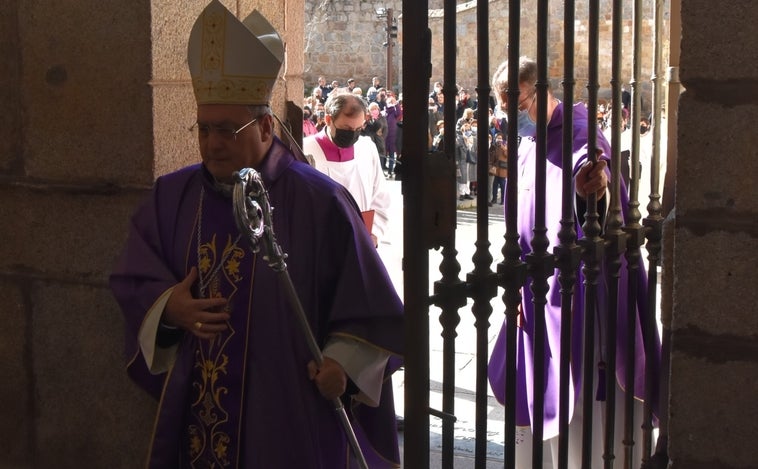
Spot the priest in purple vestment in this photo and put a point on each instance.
(588, 179)
(210, 330)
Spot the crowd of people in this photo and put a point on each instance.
(212, 331)
(384, 119)
(589, 178)
(384, 125)
(466, 140)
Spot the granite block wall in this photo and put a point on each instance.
(345, 39)
(96, 101)
(714, 365)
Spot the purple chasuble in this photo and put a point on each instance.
(244, 400)
(525, 333)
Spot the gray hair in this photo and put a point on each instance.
(258, 110)
(527, 73)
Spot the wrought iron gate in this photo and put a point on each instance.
(430, 218)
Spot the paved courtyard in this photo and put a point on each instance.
(391, 251)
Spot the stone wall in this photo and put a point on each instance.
(78, 110)
(96, 106)
(96, 103)
(344, 39)
(714, 364)
(498, 37)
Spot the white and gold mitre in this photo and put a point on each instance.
(233, 61)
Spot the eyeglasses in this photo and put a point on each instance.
(357, 129)
(531, 95)
(226, 133)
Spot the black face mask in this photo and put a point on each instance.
(644, 129)
(345, 138)
(306, 115)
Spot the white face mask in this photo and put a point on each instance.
(526, 126)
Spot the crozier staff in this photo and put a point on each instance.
(209, 329)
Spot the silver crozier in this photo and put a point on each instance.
(252, 212)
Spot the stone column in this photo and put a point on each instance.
(96, 103)
(714, 365)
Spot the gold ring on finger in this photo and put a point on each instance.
(198, 325)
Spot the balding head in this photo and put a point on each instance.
(527, 73)
(348, 104)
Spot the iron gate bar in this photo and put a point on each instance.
(441, 415)
(634, 117)
(633, 258)
(616, 242)
(450, 296)
(592, 251)
(512, 271)
(540, 262)
(482, 279)
(568, 253)
(654, 224)
(416, 74)
(449, 288)
(636, 236)
(592, 243)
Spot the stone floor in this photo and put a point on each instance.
(391, 251)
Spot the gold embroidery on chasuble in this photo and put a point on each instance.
(214, 420)
(220, 85)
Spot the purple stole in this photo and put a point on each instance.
(213, 422)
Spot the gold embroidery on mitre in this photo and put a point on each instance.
(212, 54)
(231, 90)
(212, 83)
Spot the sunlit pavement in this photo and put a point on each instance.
(391, 251)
